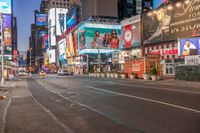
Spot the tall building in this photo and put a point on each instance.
(128, 8)
(98, 8)
(44, 6)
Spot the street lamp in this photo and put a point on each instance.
(2, 52)
(30, 68)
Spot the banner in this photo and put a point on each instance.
(131, 35)
(51, 27)
(61, 21)
(7, 30)
(70, 46)
(171, 22)
(189, 46)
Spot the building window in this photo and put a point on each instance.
(53, 3)
(129, 1)
(57, 3)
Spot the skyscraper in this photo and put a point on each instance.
(128, 8)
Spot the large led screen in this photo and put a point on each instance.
(5, 6)
(62, 51)
(189, 46)
(41, 19)
(61, 14)
(51, 27)
(131, 35)
(102, 38)
(7, 30)
(70, 46)
(171, 22)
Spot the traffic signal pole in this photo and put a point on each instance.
(2, 53)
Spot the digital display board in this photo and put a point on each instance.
(5, 6)
(189, 46)
(131, 30)
(7, 30)
(41, 19)
(102, 38)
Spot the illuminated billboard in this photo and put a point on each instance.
(5, 6)
(75, 41)
(131, 35)
(189, 46)
(98, 38)
(60, 20)
(52, 56)
(70, 46)
(52, 27)
(7, 30)
(41, 19)
(171, 22)
(62, 51)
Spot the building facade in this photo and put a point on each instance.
(98, 8)
(128, 8)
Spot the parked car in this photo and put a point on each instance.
(42, 73)
(22, 72)
(63, 72)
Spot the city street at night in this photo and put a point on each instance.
(101, 105)
(99, 66)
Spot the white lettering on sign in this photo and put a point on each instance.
(162, 52)
(192, 60)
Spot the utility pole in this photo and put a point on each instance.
(99, 59)
(2, 52)
(30, 68)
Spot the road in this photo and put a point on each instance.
(97, 105)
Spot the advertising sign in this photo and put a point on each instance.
(7, 30)
(75, 41)
(70, 47)
(171, 22)
(192, 60)
(41, 19)
(62, 47)
(51, 27)
(189, 46)
(45, 43)
(60, 20)
(131, 36)
(102, 38)
(52, 56)
(5, 6)
(62, 51)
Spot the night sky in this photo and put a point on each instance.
(24, 11)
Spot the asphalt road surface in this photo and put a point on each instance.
(97, 105)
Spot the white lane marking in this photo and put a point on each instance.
(4, 116)
(162, 88)
(60, 123)
(86, 106)
(146, 99)
(148, 87)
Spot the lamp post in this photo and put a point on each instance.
(2, 52)
(30, 68)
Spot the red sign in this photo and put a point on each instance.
(162, 52)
